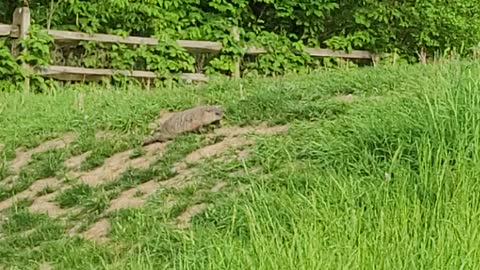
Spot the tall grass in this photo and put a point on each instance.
(321, 200)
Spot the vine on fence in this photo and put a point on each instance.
(405, 29)
(11, 74)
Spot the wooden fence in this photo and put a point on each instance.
(21, 23)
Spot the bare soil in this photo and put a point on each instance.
(45, 266)
(217, 149)
(114, 166)
(128, 198)
(234, 138)
(183, 221)
(23, 157)
(31, 192)
(98, 231)
(346, 98)
(46, 205)
(74, 163)
(218, 187)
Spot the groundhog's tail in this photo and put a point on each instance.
(153, 139)
(148, 141)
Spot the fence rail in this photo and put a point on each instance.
(6, 30)
(67, 73)
(191, 45)
(194, 45)
(317, 52)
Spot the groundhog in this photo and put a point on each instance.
(185, 121)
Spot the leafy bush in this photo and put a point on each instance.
(404, 28)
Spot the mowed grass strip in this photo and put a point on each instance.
(387, 182)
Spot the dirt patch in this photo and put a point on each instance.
(218, 187)
(2, 147)
(111, 168)
(272, 130)
(128, 198)
(114, 166)
(244, 154)
(31, 192)
(99, 231)
(216, 149)
(183, 221)
(109, 135)
(181, 179)
(235, 137)
(45, 205)
(41, 185)
(345, 98)
(23, 157)
(9, 182)
(11, 201)
(45, 266)
(74, 163)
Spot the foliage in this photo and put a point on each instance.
(6, 10)
(401, 28)
(164, 58)
(11, 74)
(407, 26)
(34, 50)
(283, 56)
(36, 47)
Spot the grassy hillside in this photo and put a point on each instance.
(386, 177)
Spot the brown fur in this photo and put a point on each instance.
(185, 121)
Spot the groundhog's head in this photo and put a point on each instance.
(213, 114)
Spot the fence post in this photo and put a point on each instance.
(21, 19)
(376, 59)
(236, 38)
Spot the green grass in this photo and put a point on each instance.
(43, 165)
(74, 196)
(320, 199)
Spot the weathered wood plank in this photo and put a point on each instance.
(5, 29)
(317, 52)
(236, 37)
(192, 45)
(354, 54)
(207, 46)
(201, 46)
(79, 36)
(60, 71)
(75, 77)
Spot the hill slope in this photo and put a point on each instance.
(341, 169)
